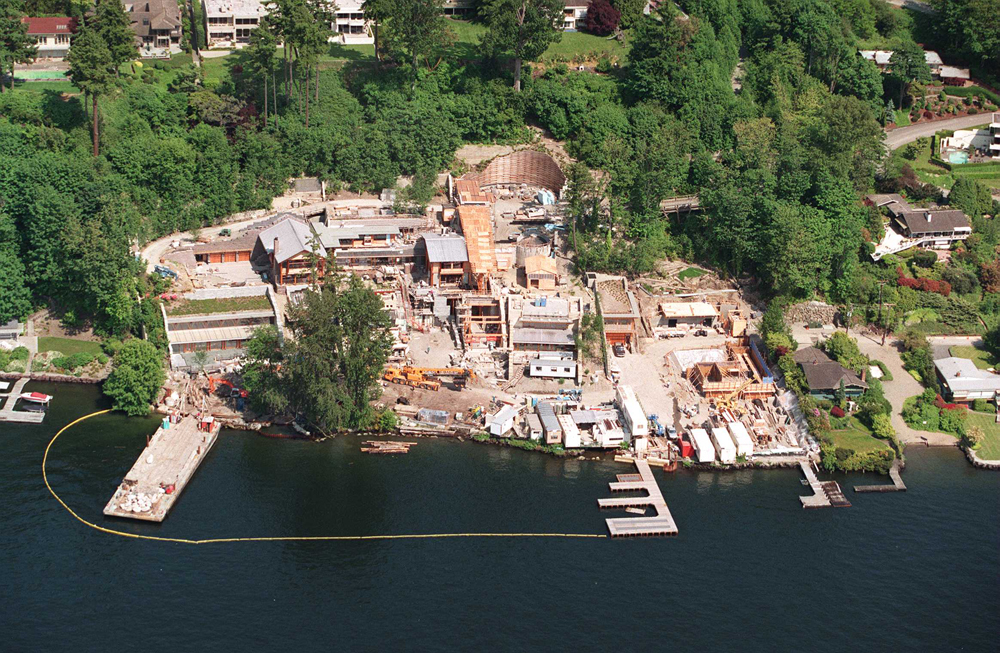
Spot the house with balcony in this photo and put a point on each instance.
(909, 226)
(230, 22)
(574, 15)
(290, 253)
(53, 36)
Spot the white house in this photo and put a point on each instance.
(571, 432)
(962, 381)
(52, 35)
(230, 22)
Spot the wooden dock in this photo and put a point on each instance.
(170, 459)
(825, 493)
(7, 412)
(896, 486)
(658, 525)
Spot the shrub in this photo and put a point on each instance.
(886, 374)
(837, 411)
(20, 354)
(825, 404)
(981, 406)
(602, 19)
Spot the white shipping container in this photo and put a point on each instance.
(742, 439)
(724, 446)
(704, 451)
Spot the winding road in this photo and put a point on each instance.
(903, 135)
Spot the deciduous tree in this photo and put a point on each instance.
(136, 377)
(521, 29)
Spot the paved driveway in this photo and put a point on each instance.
(903, 135)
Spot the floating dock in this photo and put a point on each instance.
(170, 459)
(825, 493)
(658, 525)
(7, 412)
(896, 486)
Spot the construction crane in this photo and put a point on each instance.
(427, 377)
(727, 402)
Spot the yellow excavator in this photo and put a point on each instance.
(427, 377)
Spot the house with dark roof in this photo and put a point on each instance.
(157, 25)
(291, 251)
(824, 375)
(53, 35)
(910, 226)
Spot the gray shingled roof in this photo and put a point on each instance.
(940, 220)
(827, 376)
(293, 237)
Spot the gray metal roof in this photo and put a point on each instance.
(547, 414)
(446, 249)
(523, 336)
(332, 235)
(962, 374)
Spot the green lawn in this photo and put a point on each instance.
(980, 357)
(222, 305)
(690, 273)
(902, 118)
(41, 87)
(990, 448)
(68, 346)
(570, 45)
(858, 438)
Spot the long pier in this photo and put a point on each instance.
(8, 414)
(825, 493)
(657, 525)
(170, 459)
(896, 486)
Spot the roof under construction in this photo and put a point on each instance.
(477, 226)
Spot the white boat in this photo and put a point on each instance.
(36, 397)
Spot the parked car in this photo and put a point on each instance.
(225, 233)
(701, 332)
(619, 350)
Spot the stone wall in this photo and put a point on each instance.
(811, 312)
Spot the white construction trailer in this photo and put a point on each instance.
(724, 446)
(741, 438)
(704, 451)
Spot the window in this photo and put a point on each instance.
(62, 39)
(566, 369)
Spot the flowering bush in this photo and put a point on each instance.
(837, 411)
(927, 285)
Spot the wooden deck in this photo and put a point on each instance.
(896, 485)
(8, 414)
(825, 494)
(659, 525)
(171, 458)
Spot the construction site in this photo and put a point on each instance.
(487, 324)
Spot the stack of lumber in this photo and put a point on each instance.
(386, 446)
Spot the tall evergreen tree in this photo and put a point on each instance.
(261, 57)
(15, 44)
(417, 26)
(15, 298)
(92, 69)
(522, 29)
(115, 28)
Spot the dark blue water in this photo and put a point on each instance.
(750, 571)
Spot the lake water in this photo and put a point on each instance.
(750, 571)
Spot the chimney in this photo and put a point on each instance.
(274, 249)
(928, 216)
(958, 374)
(864, 373)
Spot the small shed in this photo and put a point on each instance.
(541, 273)
(502, 423)
(550, 425)
(534, 426)
(552, 368)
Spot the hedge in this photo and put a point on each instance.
(966, 168)
(978, 174)
(969, 91)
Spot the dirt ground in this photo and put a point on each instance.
(48, 323)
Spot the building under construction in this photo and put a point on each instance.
(743, 374)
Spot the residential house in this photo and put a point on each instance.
(446, 259)
(53, 35)
(824, 375)
(952, 76)
(291, 252)
(157, 26)
(881, 59)
(575, 15)
(995, 136)
(216, 321)
(540, 273)
(962, 382)
(230, 22)
(917, 227)
(620, 311)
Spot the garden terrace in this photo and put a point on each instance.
(219, 305)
